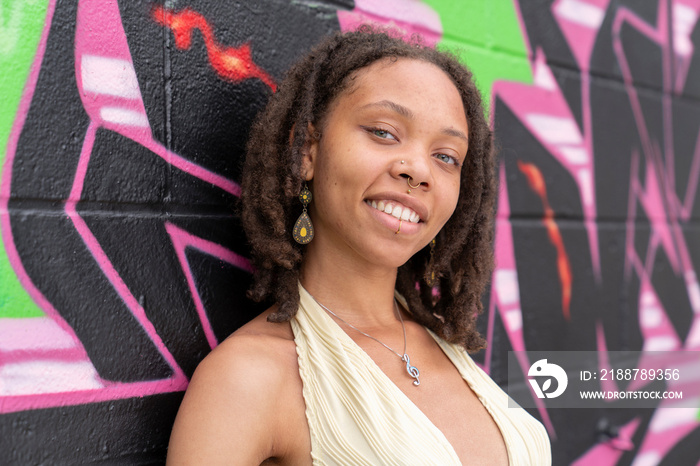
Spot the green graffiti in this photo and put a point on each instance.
(21, 23)
(486, 35)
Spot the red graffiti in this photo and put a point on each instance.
(537, 184)
(233, 64)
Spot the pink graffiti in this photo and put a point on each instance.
(545, 113)
(658, 199)
(684, 17)
(603, 359)
(505, 296)
(182, 240)
(110, 93)
(542, 109)
(112, 99)
(38, 348)
(610, 452)
(579, 21)
(406, 17)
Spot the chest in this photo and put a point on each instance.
(443, 397)
(361, 401)
(447, 401)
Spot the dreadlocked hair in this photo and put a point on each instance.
(272, 181)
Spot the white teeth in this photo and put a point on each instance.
(402, 213)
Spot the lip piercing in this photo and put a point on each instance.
(402, 162)
(397, 231)
(408, 180)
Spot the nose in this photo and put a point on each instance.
(415, 169)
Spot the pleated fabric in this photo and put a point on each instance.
(358, 416)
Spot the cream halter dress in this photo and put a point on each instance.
(357, 416)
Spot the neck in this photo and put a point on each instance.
(358, 292)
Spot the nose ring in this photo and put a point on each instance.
(402, 162)
(408, 180)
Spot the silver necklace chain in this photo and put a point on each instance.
(412, 370)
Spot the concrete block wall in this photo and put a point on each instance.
(122, 260)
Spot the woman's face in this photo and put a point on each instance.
(399, 121)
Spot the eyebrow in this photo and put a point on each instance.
(455, 133)
(400, 109)
(407, 113)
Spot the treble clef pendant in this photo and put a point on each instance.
(412, 371)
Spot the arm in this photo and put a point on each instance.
(231, 411)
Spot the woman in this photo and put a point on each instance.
(368, 201)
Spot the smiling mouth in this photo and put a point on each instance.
(396, 210)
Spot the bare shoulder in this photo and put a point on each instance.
(244, 403)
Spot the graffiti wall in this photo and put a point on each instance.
(123, 263)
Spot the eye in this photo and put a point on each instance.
(448, 159)
(379, 132)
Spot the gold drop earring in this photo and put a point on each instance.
(303, 231)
